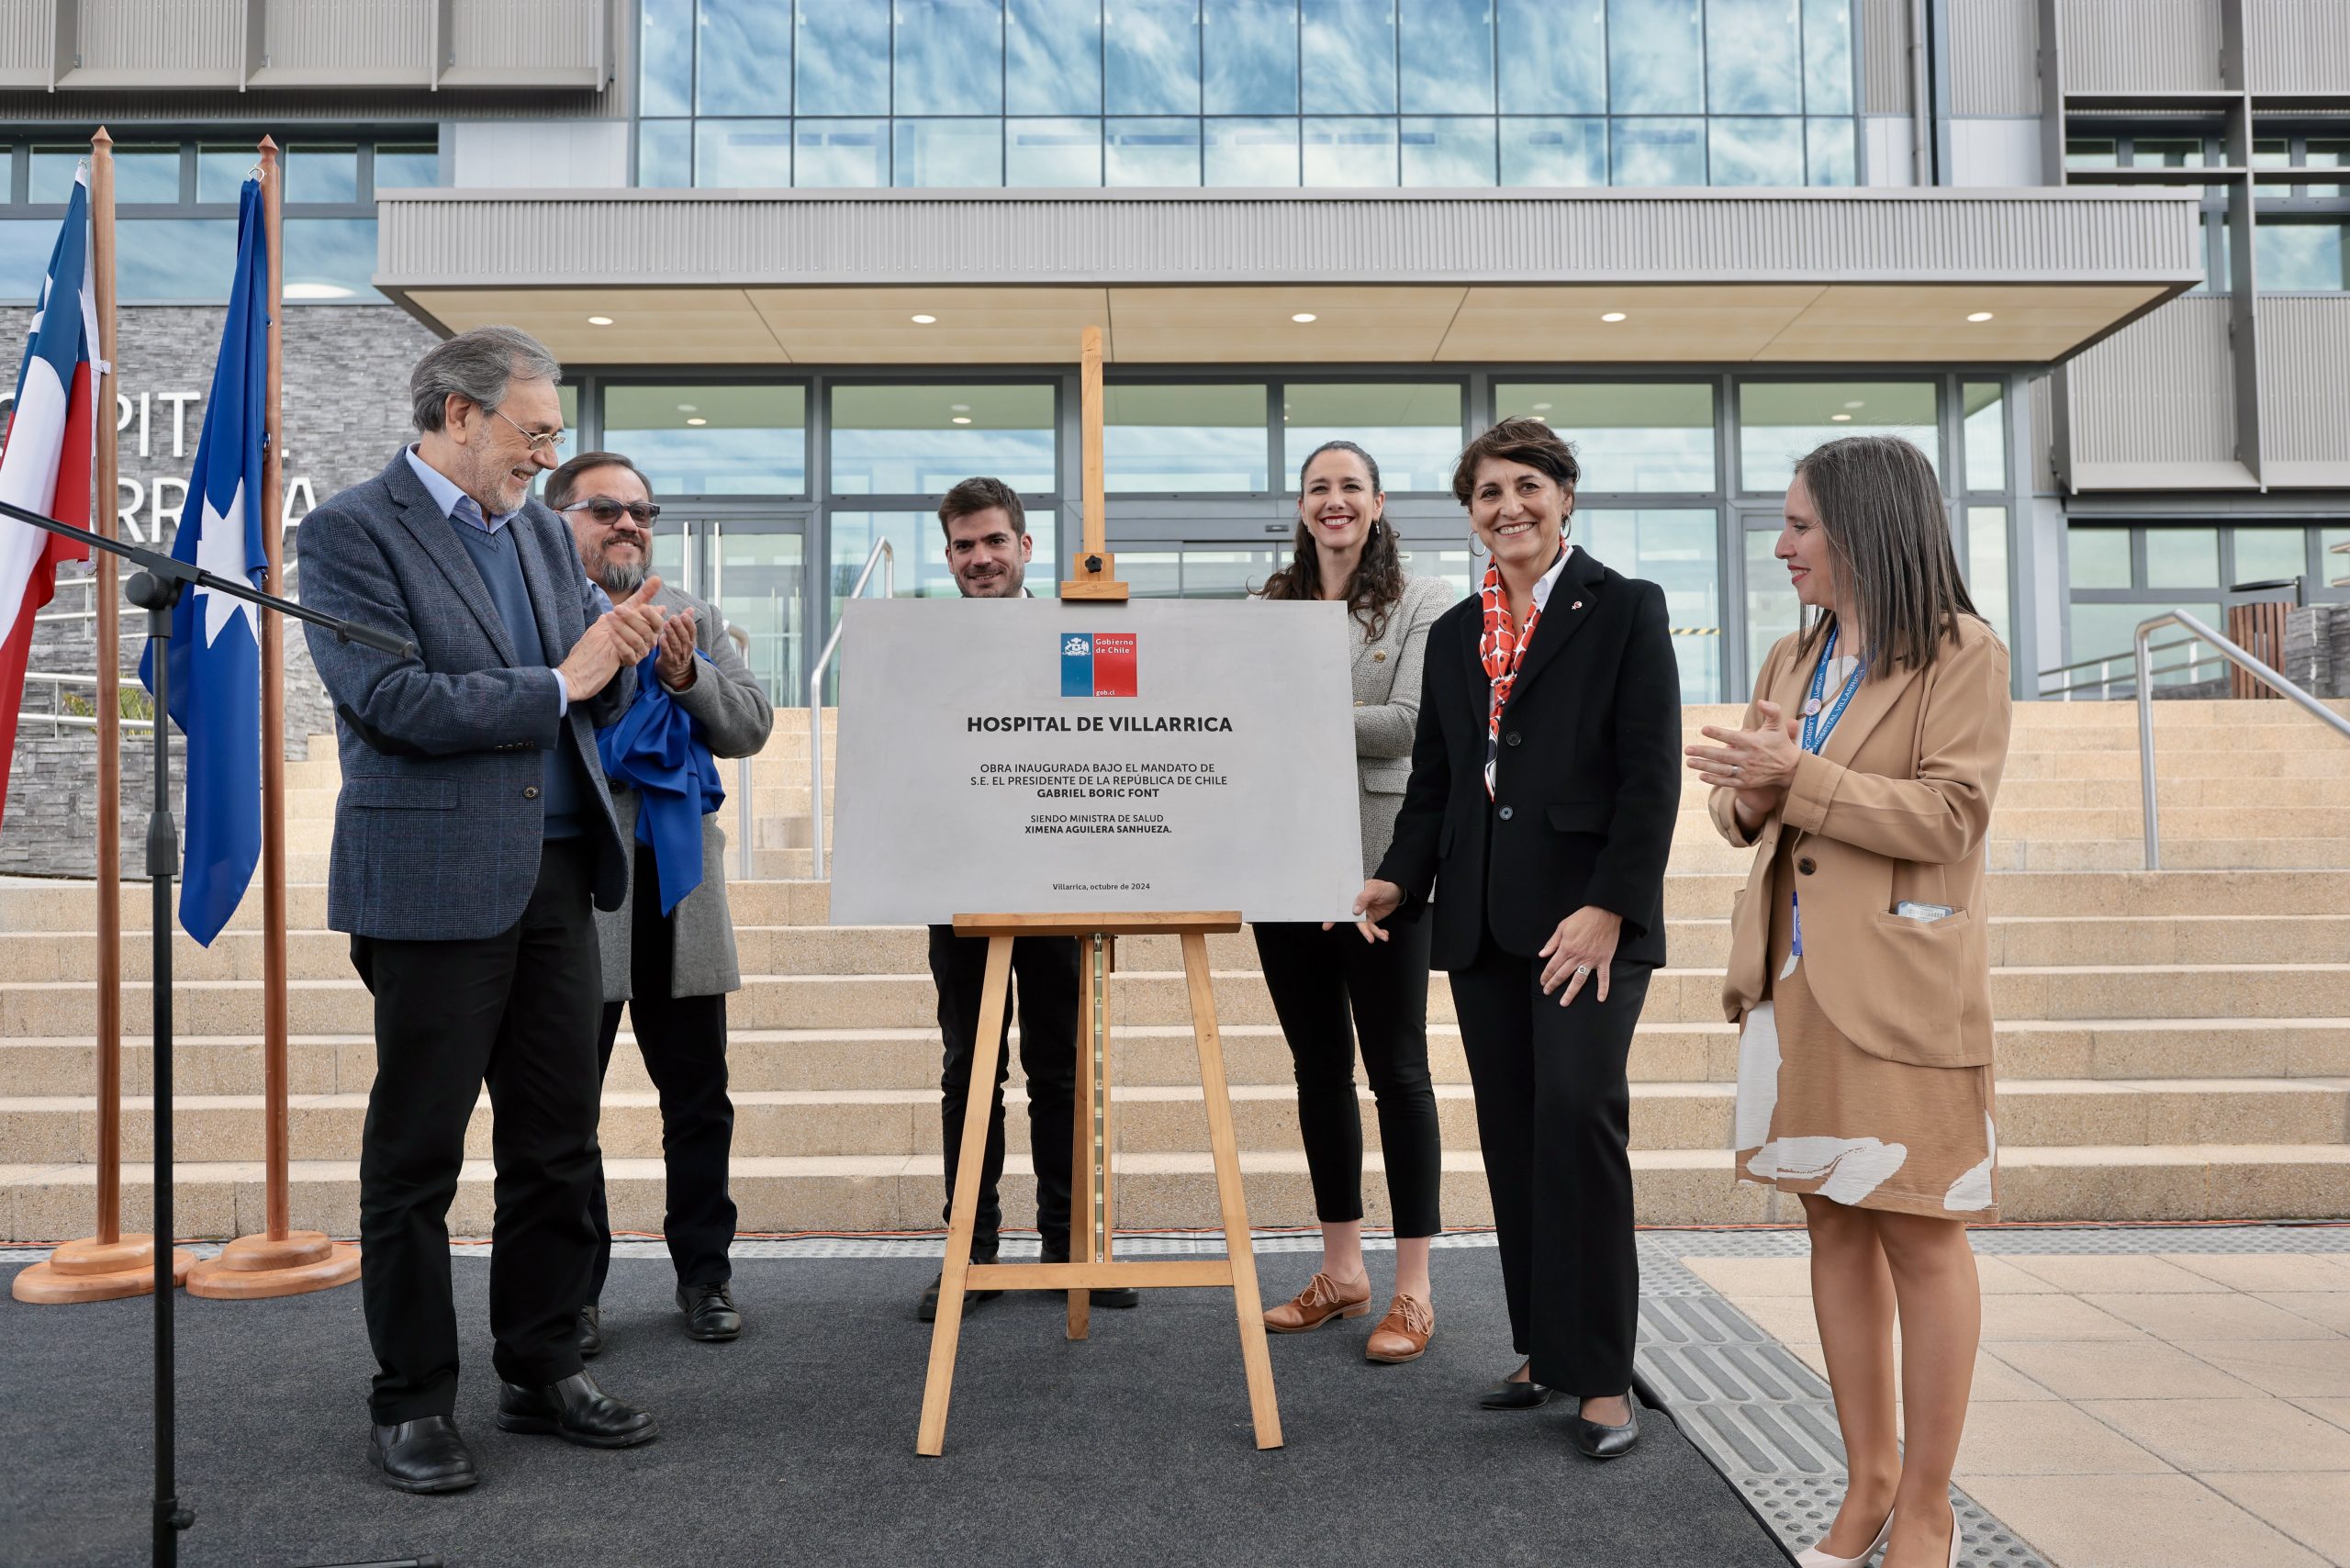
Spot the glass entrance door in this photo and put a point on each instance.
(753, 567)
(1769, 601)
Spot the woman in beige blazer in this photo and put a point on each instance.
(1346, 551)
(1864, 777)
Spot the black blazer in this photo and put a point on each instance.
(1587, 785)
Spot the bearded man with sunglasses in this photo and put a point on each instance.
(672, 967)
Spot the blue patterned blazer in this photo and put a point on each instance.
(440, 822)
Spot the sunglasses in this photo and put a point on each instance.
(607, 512)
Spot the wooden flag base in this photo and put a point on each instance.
(1089, 1267)
(91, 1270)
(255, 1267)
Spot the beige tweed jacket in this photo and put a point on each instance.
(1387, 707)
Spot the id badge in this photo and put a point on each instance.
(1923, 913)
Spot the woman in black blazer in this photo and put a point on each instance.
(1545, 781)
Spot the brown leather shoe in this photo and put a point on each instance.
(1320, 1301)
(1404, 1333)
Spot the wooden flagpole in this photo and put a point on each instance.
(280, 1261)
(109, 1265)
(108, 706)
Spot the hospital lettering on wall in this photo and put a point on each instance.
(148, 512)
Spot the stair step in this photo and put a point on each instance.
(1169, 1119)
(1152, 1054)
(785, 951)
(41, 905)
(784, 1195)
(903, 1001)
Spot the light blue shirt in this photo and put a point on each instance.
(459, 507)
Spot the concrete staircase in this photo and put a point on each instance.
(2172, 1046)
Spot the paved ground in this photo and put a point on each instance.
(2146, 1398)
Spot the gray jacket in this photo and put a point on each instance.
(732, 713)
(1387, 707)
(438, 822)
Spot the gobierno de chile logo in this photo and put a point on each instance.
(1098, 664)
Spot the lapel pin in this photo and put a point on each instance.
(1576, 605)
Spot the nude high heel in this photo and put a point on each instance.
(1816, 1558)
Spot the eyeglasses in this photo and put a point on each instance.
(538, 441)
(606, 512)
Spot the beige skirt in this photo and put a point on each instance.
(1817, 1114)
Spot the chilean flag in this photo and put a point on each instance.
(45, 459)
(216, 642)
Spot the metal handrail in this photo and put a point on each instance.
(886, 558)
(2104, 683)
(2235, 656)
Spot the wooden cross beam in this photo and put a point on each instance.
(1096, 567)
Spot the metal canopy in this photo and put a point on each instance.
(2021, 277)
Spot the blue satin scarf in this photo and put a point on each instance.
(655, 751)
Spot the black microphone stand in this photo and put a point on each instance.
(156, 587)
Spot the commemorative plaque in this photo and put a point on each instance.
(1052, 756)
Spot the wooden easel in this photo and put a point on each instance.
(1090, 1266)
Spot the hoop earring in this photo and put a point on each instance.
(1476, 545)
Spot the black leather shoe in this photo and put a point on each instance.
(591, 1331)
(987, 1248)
(709, 1311)
(574, 1410)
(422, 1455)
(1119, 1296)
(1608, 1442)
(1520, 1395)
(928, 1311)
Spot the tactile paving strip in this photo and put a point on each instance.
(1763, 1417)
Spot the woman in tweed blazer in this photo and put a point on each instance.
(1346, 551)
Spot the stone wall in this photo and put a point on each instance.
(346, 415)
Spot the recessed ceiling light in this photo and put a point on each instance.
(924, 320)
(959, 408)
(600, 320)
(690, 407)
(1858, 403)
(1839, 419)
(1980, 316)
(1612, 316)
(1303, 316)
(1541, 418)
(696, 420)
(1541, 408)
(962, 419)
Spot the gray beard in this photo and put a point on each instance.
(621, 581)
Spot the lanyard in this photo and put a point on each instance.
(1817, 728)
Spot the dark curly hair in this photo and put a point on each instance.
(1377, 587)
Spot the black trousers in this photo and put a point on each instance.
(1552, 1116)
(1044, 980)
(683, 1041)
(1316, 975)
(516, 1011)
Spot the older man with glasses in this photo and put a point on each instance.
(669, 956)
(473, 836)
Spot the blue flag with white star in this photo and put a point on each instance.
(214, 649)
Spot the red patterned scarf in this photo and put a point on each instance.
(1501, 647)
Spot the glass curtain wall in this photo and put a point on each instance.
(779, 490)
(2122, 572)
(176, 207)
(1246, 93)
